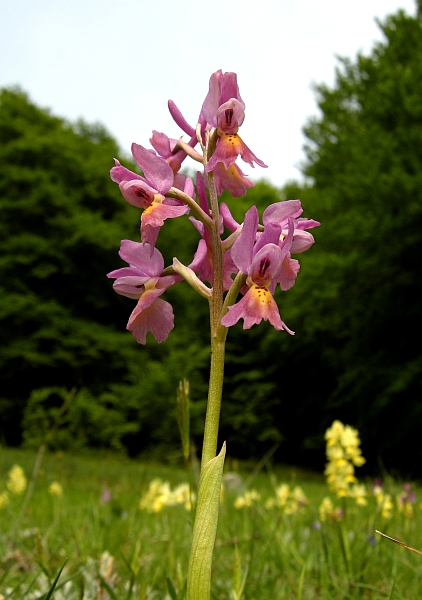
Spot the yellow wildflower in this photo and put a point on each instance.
(180, 495)
(55, 489)
(385, 505)
(358, 492)
(299, 495)
(343, 454)
(155, 499)
(326, 509)
(159, 495)
(405, 507)
(4, 499)
(378, 492)
(247, 499)
(335, 452)
(291, 501)
(16, 483)
(334, 433)
(282, 493)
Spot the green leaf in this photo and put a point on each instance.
(205, 529)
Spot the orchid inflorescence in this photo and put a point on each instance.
(252, 259)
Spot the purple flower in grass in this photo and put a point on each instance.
(149, 192)
(262, 261)
(142, 281)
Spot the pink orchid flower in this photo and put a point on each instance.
(142, 281)
(262, 261)
(281, 213)
(148, 192)
(224, 109)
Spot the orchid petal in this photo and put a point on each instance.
(131, 287)
(303, 223)
(257, 304)
(242, 249)
(279, 212)
(211, 102)
(162, 144)
(119, 173)
(266, 265)
(185, 184)
(230, 116)
(289, 270)
(302, 240)
(137, 193)
(140, 257)
(155, 317)
(231, 179)
(156, 170)
(228, 220)
(179, 119)
(270, 235)
(228, 148)
(202, 193)
(158, 212)
(230, 89)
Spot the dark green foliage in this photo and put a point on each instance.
(356, 304)
(87, 422)
(61, 324)
(361, 289)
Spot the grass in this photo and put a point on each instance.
(114, 550)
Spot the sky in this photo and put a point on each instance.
(118, 62)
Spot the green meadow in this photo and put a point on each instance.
(268, 546)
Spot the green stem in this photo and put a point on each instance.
(218, 334)
(206, 517)
(215, 391)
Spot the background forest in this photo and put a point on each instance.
(356, 308)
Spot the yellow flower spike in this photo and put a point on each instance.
(325, 508)
(386, 506)
(358, 492)
(16, 483)
(4, 500)
(239, 502)
(282, 493)
(247, 499)
(333, 433)
(335, 452)
(343, 454)
(55, 489)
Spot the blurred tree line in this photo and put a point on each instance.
(355, 307)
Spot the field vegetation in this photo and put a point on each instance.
(123, 528)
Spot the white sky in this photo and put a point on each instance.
(119, 61)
